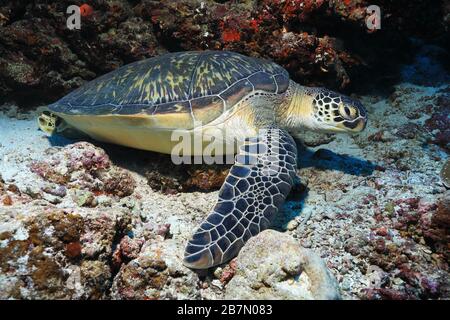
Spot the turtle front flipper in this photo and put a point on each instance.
(253, 193)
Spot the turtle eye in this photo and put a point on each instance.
(347, 111)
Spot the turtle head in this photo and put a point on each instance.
(334, 112)
(320, 109)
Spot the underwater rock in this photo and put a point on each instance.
(84, 198)
(386, 294)
(49, 253)
(314, 139)
(291, 272)
(409, 131)
(117, 182)
(171, 179)
(422, 221)
(166, 183)
(94, 274)
(439, 125)
(396, 252)
(228, 272)
(126, 250)
(130, 248)
(445, 174)
(438, 229)
(439, 122)
(377, 277)
(59, 191)
(87, 170)
(157, 273)
(206, 178)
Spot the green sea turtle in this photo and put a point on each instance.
(232, 100)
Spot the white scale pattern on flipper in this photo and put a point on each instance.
(251, 196)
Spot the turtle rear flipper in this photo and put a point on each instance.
(251, 196)
(47, 122)
(51, 124)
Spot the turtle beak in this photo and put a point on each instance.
(362, 125)
(348, 126)
(356, 126)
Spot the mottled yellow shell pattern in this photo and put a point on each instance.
(175, 90)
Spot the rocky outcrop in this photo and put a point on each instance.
(156, 273)
(49, 253)
(86, 170)
(287, 272)
(320, 42)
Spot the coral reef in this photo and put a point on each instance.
(49, 253)
(156, 273)
(183, 178)
(87, 170)
(319, 42)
